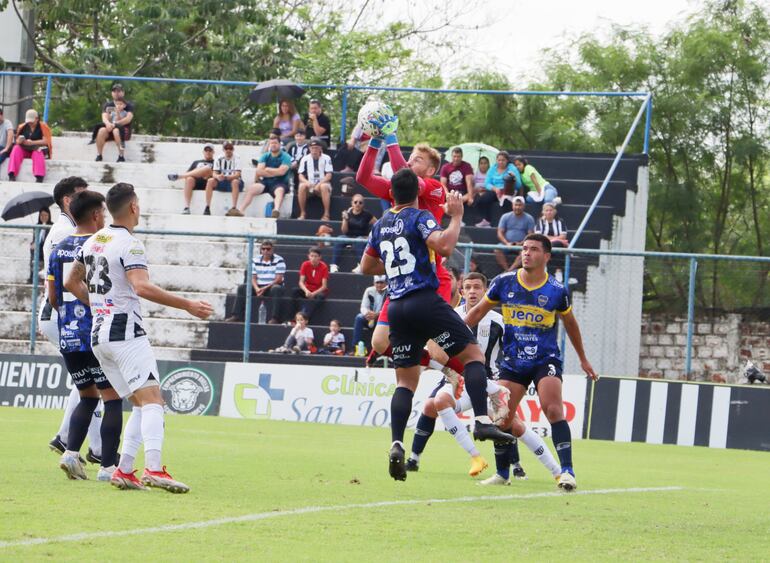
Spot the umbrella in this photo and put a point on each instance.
(268, 91)
(473, 151)
(25, 204)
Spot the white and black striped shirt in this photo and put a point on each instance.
(551, 229)
(267, 270)
(227, 166)
(489, 335)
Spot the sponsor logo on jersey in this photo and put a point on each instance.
(187, 391)
(396, 229)
(531, 351)
(528, 316)
(103, 238)
(431, 223)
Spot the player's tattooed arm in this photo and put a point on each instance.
(76, 282)
(573, 331)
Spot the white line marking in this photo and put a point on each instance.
(315, 509)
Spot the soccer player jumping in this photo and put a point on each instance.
(530, 300)
(403, 245)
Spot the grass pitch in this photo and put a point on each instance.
(285, 478)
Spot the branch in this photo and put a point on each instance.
(37, 47)
(19, 101)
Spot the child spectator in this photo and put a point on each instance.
(313, 283)
(300, 337)
(334, 340)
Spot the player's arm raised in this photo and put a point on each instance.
(478, 312)
(444, 242)
(75, 282)
(573, 331)
(139, 279)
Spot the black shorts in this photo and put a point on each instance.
(85, 370)
(200, 183)
(549, 368)
(272, 186)
(422, 316)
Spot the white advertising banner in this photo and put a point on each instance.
(359, 397)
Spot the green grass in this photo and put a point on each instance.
(240, 467)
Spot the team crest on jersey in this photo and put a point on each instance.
(542, 300)
(187, 391)
(431, 223)
(79, 311)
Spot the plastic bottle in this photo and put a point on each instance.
(262, 314)
(360, 348)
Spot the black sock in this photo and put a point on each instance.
(476, 384)
(112, 422)
(503, 459)
(562, 441)
(400, 409)
(423, 432)
(79, 421)
(515, 459)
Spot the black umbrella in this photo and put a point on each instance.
(26, 204)
(268, 91)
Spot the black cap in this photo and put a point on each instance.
(117, 86)
(315, 143)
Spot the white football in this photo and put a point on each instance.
(372, 111)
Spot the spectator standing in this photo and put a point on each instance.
(539, 188)
(272, 176)
(287, 121)
(457, 175)
(315, 176)
(356, 223)
(297, 150)
(300, 337)
(313, 283)
(112, 120)
(334, 340)
(513, 228)
(226, 176)
(43, 218)
(196, 176)
(6, 137)
(33, 141)
(317, 123)
(371, 304)
(267, 277)
(484, 199)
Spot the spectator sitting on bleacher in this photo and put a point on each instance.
(315, 176)
(114, 119)
(484, 198)
(498, 175)
(356, 223)
(272, 176)
(33, 141)
(317, 123)
(552, 226)
(226, 177)
(348, 156)
(313, 283)
(334, 340)
(539, 188)
(297, 150)
(457, 175)
(513, 227)
(6, 136)
(287, 121)
(196, 175)
(371, 304)
(300, 337)
(267, 274)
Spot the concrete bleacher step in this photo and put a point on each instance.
(43, 347)
(343, 310)
(229, 336)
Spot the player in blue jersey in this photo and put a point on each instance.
(530, 300)
(74, 319)
(403, 245)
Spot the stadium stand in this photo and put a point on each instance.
(211, 268)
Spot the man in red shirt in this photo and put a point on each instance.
(313, 283)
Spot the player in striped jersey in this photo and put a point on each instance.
(111, 274)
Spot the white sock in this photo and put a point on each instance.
(152, 435)
(132, 439)
(415, 457)
(492, 387)
(457, 429)
(483, 419)
(72, 402)
(433, 364)
(95, 431)
(537, 446)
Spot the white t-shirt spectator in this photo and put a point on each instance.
(227, 166)
(334, 341)
(5, 126)
(315, 170)
(303, 335)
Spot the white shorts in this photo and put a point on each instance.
(463, 403)
(48, 322)
(128, 365)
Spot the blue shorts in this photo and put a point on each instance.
(227, 186)
(550, 367)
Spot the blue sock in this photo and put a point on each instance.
(562, 441)
(423, 432)
(503, 459)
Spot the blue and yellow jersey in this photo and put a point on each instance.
(74, 316)
(529, 315)
(398, 238)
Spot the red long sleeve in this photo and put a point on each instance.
(377, 185)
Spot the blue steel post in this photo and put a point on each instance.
(35, 270)
(647, 124)
(247, 315)
(343, 128)
(690, 315)
(47, 106)
(467, 261)
(563, 337)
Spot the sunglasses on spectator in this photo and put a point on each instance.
(265, 248)
(358, 202)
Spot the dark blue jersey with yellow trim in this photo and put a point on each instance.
(529, 315)
(398, 238)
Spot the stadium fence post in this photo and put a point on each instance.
(343, 128)
(467, 262)
(563, 336)
(647, 124)
(47, 107)
(690, 315)
(35, 276)
(247, 314)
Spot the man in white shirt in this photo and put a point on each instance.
(315, 177)
(6, 136)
